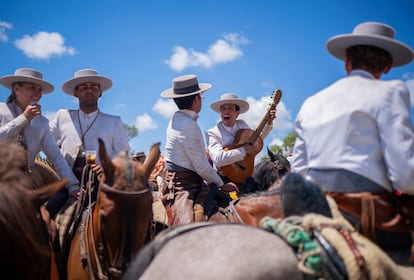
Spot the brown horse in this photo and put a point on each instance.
(252, 207)
(249, 209)
(114, 229)
(26, 234)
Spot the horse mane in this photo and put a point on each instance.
(43, 172)
(46, 164)
(21, 253)
(13, 157)
(269, 192)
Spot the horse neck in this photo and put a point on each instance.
(121, 226)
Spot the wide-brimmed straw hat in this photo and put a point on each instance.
(27, 75)
(185, 86)
(230, 98)
(86, 76)
(372, 34)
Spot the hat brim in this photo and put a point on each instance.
(243, 105)
(8, 81)
(169, 93)
(70, 85)
(400, 53)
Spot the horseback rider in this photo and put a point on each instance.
(187, 165)
(22, 122)
(355, 137)
(223, 134)
(77, 131)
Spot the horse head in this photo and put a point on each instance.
(269, 172)
(121, 173)
(279, 162)
(120, 223)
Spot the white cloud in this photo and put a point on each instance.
(165, 107)
(145, 122)
(222, 51)
(276, 141)
(43, 45)
(4, 26)
(259, 107)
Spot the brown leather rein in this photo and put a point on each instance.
(105, 268)
(231, 213)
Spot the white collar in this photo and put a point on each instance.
(362, 73)
(88, 115)
(191, 113)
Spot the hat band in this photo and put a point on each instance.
(185, 90)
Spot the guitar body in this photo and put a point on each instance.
(239, 171)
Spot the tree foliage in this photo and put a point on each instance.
(131, 130)
(287, 145)
(289, 140)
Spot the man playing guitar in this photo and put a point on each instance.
(227, 145)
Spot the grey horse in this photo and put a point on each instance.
(215, 251)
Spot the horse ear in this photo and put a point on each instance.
(152, 158)
(271, 155)
(106, 162)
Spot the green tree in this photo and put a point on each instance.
(131, 130)
(289, 141)
(287, 145)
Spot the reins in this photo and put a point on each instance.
(230, 212)
(99, 251)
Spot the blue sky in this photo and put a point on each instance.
(246, 47)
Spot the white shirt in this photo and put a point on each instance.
(360, 124)
(185, 146)
(68, 126)
(37, 138)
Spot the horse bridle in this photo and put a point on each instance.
(231, 211)
(104, 266)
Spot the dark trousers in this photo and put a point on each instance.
(56, 202)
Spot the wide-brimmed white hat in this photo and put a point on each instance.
(185, 86)
(230, 98)
(372, 34)
(27, 75)
(86, 76)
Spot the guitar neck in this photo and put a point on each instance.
(275, 100)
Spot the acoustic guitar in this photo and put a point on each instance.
(239, 171)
